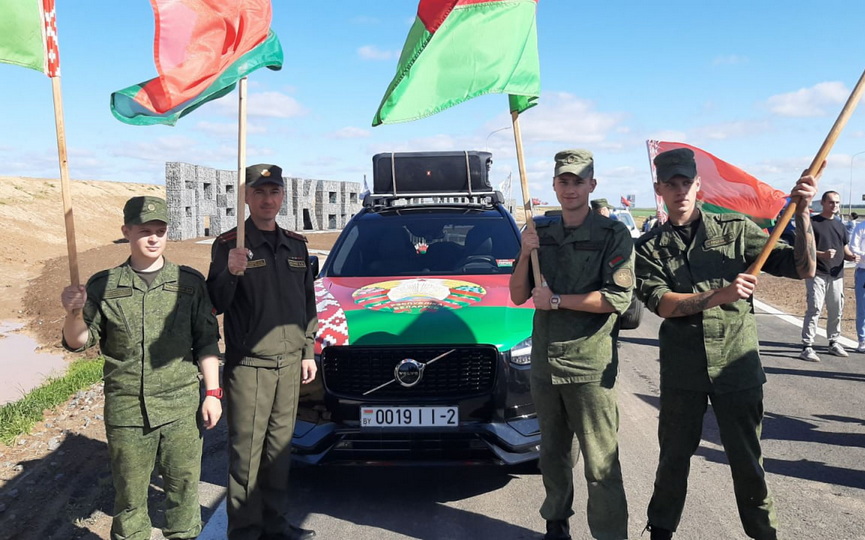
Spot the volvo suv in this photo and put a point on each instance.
(422, 355)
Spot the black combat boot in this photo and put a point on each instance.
(292, 533)
(558, 530)
(657, 533)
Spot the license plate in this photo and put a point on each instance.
(409, 417)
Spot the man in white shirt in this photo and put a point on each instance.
(857, 246)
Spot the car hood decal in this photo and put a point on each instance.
(414, 311)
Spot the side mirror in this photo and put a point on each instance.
(314, 264)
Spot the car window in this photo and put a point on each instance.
(420, 244)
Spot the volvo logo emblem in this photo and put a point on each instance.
(408, 372)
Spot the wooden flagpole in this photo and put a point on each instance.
(527, 199)
(241, 164)
(813, 170)
(62, 156)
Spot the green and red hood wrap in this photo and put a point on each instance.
(420, 311)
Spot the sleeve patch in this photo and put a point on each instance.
(616, 261)
(624, 277)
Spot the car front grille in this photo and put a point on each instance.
(351, 371)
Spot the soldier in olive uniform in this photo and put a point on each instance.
(601, 207)
(266, 292)
(153, 321)
(691, 271)
(586, 261)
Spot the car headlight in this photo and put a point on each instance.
(521, 353)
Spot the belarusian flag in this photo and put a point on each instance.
(726, 188)
(28, 35)
(460, 49)
(202, 48)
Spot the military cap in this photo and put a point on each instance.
(597, 204)
(677, 162)
(577, 162)
(138, 210)
(258, 175)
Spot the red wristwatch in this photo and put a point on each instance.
(216, 392)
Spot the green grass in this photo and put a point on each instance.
(19, 417)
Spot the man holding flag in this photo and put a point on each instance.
(586, 262)
(692, 272)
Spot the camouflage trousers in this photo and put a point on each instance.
(680, 426)
(175, 449)
(589, 412)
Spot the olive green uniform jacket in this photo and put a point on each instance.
(270, 316)
(150, 338)
(715, 350)
(576, 346)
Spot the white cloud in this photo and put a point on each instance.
(274, 105)
(228, 129)
(364, 20)
(808, 102)
(261, 104)
(729, 60)
(350, 132)
(731, 130)
(565, 118)
(371, 52)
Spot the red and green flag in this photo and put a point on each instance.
(202, 48)
(460, 49)
(28, 35)
(725, 188)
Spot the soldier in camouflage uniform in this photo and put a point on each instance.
(266, 292)
(601, 207)
(586, 261)
(153, 321)
(690, 271)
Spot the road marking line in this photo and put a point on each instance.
(797, 321)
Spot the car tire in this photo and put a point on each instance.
(630, 319)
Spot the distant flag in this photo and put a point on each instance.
(460, 49)
(28, 35)
(625, 202)
(726, 188)
(202, 48)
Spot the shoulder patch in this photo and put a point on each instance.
(296, 236)
(624, 277)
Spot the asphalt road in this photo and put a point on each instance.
(814, 446)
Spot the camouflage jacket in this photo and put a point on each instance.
(576, 346)
(715, 350)
(150, 338)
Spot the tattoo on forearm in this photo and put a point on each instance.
(805, 247)
(695, 304)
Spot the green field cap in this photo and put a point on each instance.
(577, 162)
(677, 162)
(138, 210)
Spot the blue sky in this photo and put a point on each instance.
(758, 84)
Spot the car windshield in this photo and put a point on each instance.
(625, 218)
(414, 244)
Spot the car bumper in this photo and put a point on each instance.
(507, 442)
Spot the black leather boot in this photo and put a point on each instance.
(657, 533)
(558, 530)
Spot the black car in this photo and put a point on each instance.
(422, 355)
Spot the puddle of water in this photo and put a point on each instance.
(22, 368)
